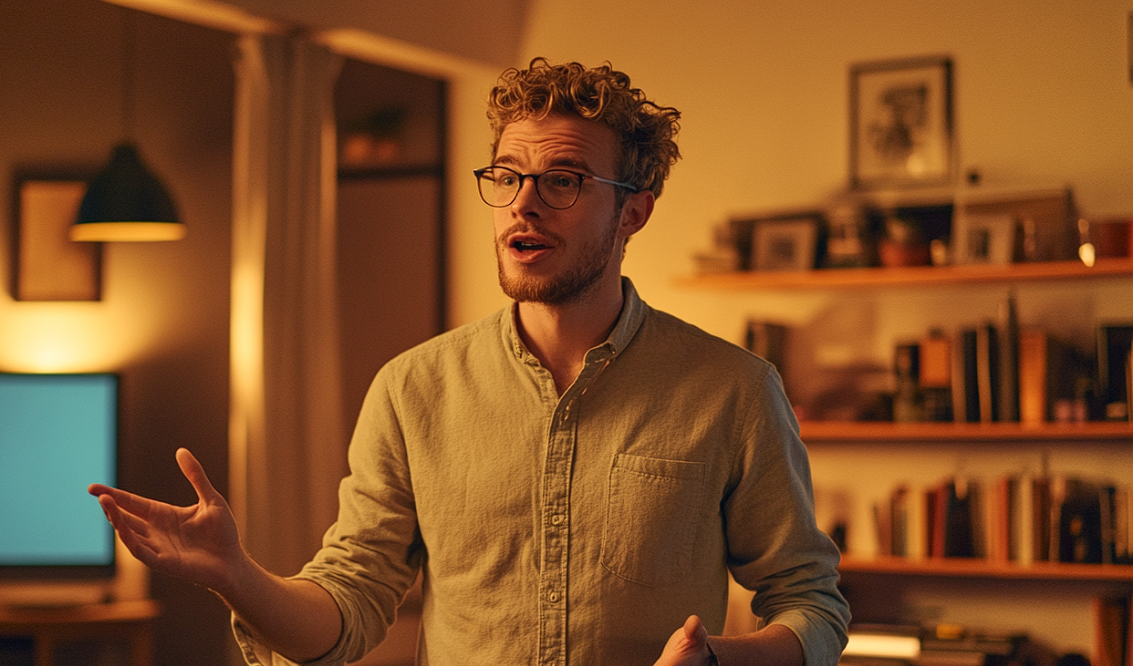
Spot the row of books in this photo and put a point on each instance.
(998, 371)
(1016, 518)
(945, 645)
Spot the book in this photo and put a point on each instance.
(1112, 625)
(987, 372)
(1049, 372)
(1008, 379)
(1080, 522)
(1113, 352)
(965, 390)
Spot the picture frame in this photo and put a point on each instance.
(989, 238)
(787, 243)
(46, 264)
(901, 121)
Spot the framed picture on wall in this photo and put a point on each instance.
(901, 123)
(47, 265)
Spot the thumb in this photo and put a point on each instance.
(195, 473)
(695, 633)
(688, 645)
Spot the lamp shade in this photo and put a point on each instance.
(126, 202)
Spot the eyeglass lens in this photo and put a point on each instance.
(499, 186)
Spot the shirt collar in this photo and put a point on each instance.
(629, 321)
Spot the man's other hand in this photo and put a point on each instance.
(688, 646)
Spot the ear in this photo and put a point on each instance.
(636, 210)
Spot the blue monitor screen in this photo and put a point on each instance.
(58, 434)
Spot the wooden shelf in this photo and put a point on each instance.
(876, 432)
(978, 568)
(919, 276)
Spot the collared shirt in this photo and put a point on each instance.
(580, 529)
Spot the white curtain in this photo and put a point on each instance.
(287, 440)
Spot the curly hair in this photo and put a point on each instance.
(645, 132)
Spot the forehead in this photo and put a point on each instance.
(557, 140)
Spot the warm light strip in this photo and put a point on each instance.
(208, 13)
(882, 645)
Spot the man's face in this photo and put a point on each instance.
(557, 256)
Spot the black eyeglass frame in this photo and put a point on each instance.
(479, 173)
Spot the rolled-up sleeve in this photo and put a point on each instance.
(775, 547)
(371, 556)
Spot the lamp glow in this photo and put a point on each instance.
(126, 202)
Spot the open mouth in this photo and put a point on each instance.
(528, 246)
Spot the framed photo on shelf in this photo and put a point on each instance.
(990, 238)
(785, 244)
(47, 265)
(901, 123)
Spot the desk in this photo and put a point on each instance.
(130, 621)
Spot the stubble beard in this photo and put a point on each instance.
(565, 288)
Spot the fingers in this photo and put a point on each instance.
(131, 529)
(195, 473)
(121, 499)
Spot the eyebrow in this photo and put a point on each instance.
(557, 163)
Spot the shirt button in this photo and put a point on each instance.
(556, 520)
(553, 597)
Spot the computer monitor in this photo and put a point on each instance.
(58, 434)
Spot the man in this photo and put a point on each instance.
(574, 476)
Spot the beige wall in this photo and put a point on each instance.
(162, 322)
(1042, 98)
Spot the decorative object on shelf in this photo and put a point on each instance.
(901, 122)
(46, 265)
(784, 241)
(904, 243)
(1043, 225)
(850, 242)
(990, 238)
(785, 245)
(1105, 237)
(375, 140)
(125, 201)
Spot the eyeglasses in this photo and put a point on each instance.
(558, 188)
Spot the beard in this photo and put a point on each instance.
(567, 287)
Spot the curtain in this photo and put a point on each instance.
(287, 441)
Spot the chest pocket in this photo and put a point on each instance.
(653, 513)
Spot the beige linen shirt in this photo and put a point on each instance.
(580, 529)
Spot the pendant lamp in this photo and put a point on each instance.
(125, 201)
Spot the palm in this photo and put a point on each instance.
(196, 543)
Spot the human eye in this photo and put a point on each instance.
(562, 180)
(504, 178)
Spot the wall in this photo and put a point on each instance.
(1042, 98)
(163, 318)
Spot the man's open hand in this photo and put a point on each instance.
(198, 543)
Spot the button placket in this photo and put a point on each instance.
(555, 509)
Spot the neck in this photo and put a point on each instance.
(560, 335)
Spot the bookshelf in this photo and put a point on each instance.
(914, 276)
(816, 432)
(958, 567)
(1051, 599)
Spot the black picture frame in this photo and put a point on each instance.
(901, 123)
(780, 241)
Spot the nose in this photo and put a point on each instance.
(527, 198)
